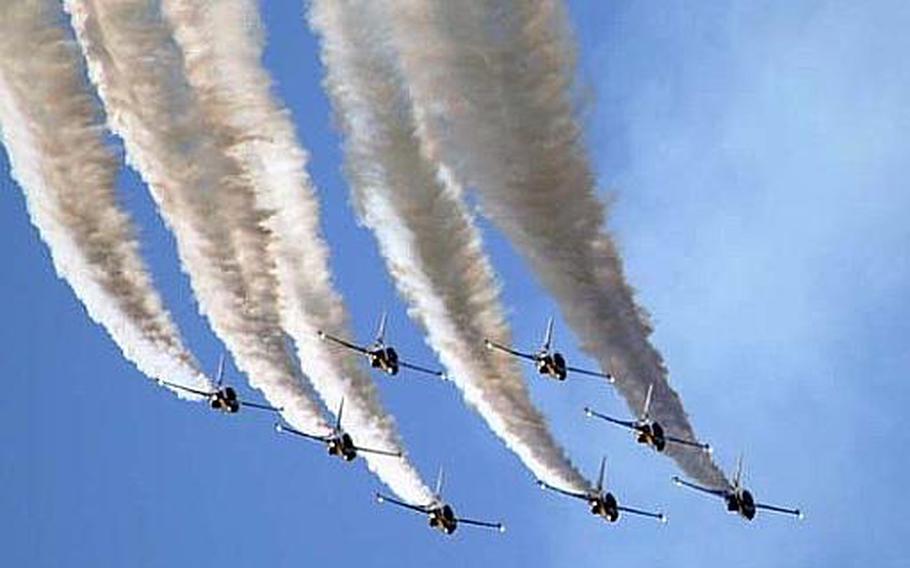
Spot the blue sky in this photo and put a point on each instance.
(754, 156)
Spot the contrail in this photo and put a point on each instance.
(426, 236)
(53, 132)
(491, 83)
(138, 70)
(223, 44)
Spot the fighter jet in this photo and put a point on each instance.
(647, 430)
(379, 355)
(602, 503)
(223, 399)
(548, 362)
(338, 442)
(739, 500)
(441, 515)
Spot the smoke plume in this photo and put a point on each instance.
(492, 86)
(53, 132)
(222, 43)
(201, 193)
(426, 236)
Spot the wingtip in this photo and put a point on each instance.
(487, 343)
(278, 427)
(588, 412)
(677, 481)
(541, 484)
(321, 334)
(800, 515)
(708, 449)
(501, 528)
(610, 378)
(663, 519)
(380, 498)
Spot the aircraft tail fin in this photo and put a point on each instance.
(219, 377)
(647, 407)
(738, 476)
(338, 417)
(440, 479)
(380, 330)
(548, 338)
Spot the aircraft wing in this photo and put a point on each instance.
(588, 373)
(420, 369)
(509, 350)
(545, 485)
(282, 428)
(187, 389)
(485, 524)
(383, 498)
(784, 510)
(659, 516)
(691, 443)
(347, 344)
(260, 406)
(379, 452)
(708, 490)
(624, 423)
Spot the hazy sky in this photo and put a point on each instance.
(754, 158)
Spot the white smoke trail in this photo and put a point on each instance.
(426, 236)
(223, 43)
(53, 132)
(491, 82)
(138, 70)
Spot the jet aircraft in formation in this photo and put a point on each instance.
(440, 514)
(647, 430)
(379, 355)
(548, 362)
(602, 503)
(338, 442)
(223, 398)
(738, 499)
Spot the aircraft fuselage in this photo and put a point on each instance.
(384, 359)
(742, 503)
(605, 507)
(651, 434)
(551, 364)
(443, 519)
(343, 447)
(225, 400)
